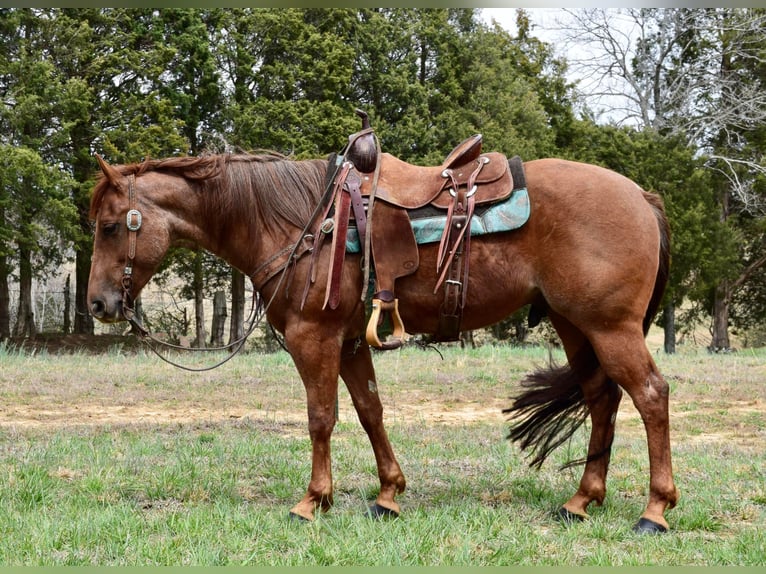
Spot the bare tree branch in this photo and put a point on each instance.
(671, 70)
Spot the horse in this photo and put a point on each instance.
(593, 257)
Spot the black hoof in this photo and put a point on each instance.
(381, 512)
(297, 518)
(646, 526)
(568, 517)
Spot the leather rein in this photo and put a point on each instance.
(134, 220)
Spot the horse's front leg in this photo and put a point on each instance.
(317, 359)
(358, 373)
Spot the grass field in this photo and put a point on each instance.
(120, 459)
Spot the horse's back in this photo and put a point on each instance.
(591, 244)
(583, 187)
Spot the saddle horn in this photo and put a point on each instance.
(362, 151)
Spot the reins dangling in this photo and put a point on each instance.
(134, 220)
(362, 150)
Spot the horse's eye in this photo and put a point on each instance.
(110, 229)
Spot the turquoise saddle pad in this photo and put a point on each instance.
(504, 216)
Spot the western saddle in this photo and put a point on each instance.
(378, 193)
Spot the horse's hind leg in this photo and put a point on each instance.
(602, 397)
(625, 358)
(358, 373)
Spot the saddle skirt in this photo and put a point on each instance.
(428, 224)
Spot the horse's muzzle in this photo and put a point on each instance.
(106, 313)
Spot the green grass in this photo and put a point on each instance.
(122, 460)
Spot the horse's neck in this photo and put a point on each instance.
(235, 238)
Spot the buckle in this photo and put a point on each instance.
(134, 215)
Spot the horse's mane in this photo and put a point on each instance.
(275, 186)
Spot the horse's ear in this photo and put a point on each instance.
(111, 174)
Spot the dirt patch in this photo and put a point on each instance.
(22, 417)
(84, 390)
(68, 416)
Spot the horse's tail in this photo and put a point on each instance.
(663, 271)
(553, 406)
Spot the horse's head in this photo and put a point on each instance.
(131, 238)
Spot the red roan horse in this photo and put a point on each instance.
(593, 257)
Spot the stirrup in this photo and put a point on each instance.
(398, 336)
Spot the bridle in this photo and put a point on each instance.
(133, 224)
(134, 220)
(265, 272)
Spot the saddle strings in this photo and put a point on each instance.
(368, 235)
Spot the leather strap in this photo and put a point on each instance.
(281, 259)
(354, 184)
(454, 256)
(133, 221)
(326, 226)
(338, 251)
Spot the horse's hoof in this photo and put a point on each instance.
(297, 517)
(381, 512)
(568, 517)
(646, 526)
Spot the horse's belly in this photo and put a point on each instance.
(498, 284)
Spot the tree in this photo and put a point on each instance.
(35, 207)
(683, 73)
(79, 77)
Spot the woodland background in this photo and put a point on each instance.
(684, 102)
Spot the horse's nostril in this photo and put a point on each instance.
(97, 308)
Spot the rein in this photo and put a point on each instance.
(257, 311)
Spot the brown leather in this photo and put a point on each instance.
(394, 249)
(466, 178)
(362, 150)
(342, 213)
(467, 150)
(454, 187)
(395, 254)
(410, 186)
(353, 185)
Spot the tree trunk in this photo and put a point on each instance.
(669, 327)
(520, 330)
(199, 301)
(5, 301)
(219, 319)
(720, 331)
(237, 324)
(83, 320)
(67, 304)
(5, 295)
(25, 318)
